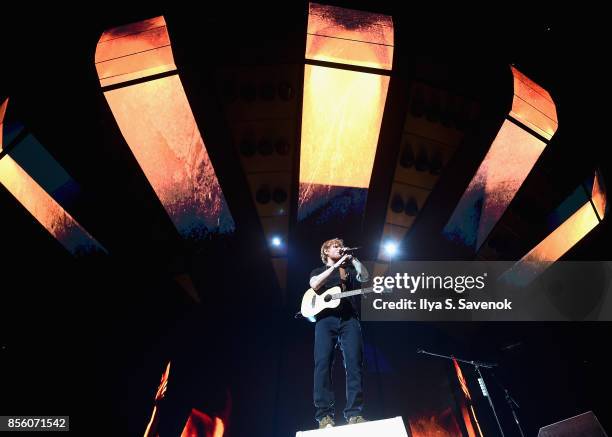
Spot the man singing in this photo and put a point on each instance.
(338, 327)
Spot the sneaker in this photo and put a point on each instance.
(326, 422)
(356, 419)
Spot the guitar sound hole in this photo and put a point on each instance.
(327, 298)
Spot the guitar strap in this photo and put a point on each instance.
(343, 276)
(343, 281)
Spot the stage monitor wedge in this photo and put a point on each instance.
(583, 425)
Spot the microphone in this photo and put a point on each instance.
(420, 351)
(349, 249)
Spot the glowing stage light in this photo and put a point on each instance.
(277, 241)
(391, 248)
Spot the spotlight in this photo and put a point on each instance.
(397, 204)
(390, 248)
(248, 92)
(407, 156)
(265, 147)
(282, 147)
(411, 207)
(276, 241)
(279, 195)
(263, 194)
(422, 160)
(285, 90)
(267, 91)
(435, 164)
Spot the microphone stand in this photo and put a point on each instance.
(477, 365)
(512, 403)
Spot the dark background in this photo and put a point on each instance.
(90, 337)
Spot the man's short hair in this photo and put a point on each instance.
(327, 245)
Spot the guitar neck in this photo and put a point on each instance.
(353, 293)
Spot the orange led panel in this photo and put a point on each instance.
(158, 125)
(501, 173)
(533, 106)
(598, 196)
(348, 36)
(342, 109)
(61, 225)
(553, 247)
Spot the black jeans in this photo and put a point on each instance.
(346, 332)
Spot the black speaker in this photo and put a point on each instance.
(583, 425)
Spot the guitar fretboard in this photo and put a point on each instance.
(352, 293)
